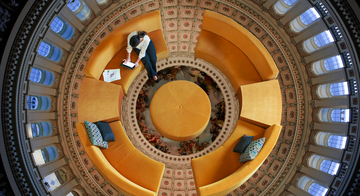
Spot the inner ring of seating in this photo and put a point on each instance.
(129, 111)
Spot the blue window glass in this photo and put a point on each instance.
(32, 103)
(42, 76)
(317, 190)
(337, 141)
(38, 103)
(49, 78)
(35, 129)
(53, 154)
(80, 9)
(56, 54)
(57, 25)
(339, 89)
(68, 32)
(44, 49)
(50, 51)
(41, 129)
(35, 75)
(309, 16)
(323, 38)
(289, 2)
(49, 153)
(329, 167)
(340, 115)
(333, 63)
(75, 5)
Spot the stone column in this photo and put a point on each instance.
(295, 11)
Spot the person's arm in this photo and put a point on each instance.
(129, 48)
(128, 57)
(137, 62)
(144, 46)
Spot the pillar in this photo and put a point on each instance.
(332, 77)
(298, 191)
(322, 53)
(317, 175)
(295, 11)
(47, 64)
(40, 116)
(51, 167)
(269, 3)
(332, 127)
(43, 142)
(94, 6)
(65, 188)
(70, 16)
(332, 153)
(56, 40)
(310, 31)
(42, 89)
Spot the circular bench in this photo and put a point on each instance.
(180, 110)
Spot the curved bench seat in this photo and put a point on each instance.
(95, 103)
(224, 55)
(114, 45)
(234, 50)
(122, 165)
(261, 103)
(220, 171)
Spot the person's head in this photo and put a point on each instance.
(135, 40)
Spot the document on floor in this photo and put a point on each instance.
(111, 75)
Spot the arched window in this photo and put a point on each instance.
(35, 75)
(79, 8)
(304, 20)
(282, 6)
(327, 65)
(73, 193)
(315, 43)
(54, 180)
(334, 115)
(100, 2)
(311, 186)
(339, 89)
(337, 141)
(41, 76)
(59, 26)
(35, 102)
(334, 89)
(50, 51)
(45, 155)
(324, 164)
(40, 129)
(331, 140)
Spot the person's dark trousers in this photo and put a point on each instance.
(149, 60)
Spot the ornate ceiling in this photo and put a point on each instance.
(181, 21)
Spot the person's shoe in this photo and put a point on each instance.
(157, 79)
